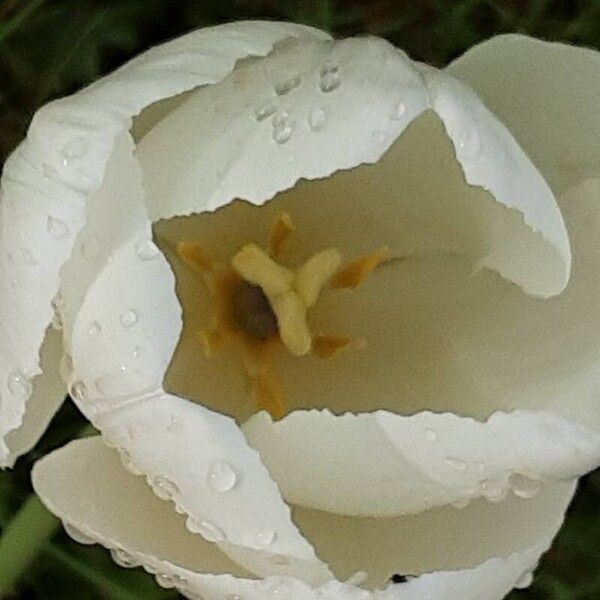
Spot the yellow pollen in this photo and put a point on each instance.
(259, 304)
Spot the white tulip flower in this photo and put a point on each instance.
(318, 297)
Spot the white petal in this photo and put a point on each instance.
(546, 93)
(46, 398)
(49, 178)
(382, 464)
(441, 539)
(312, 108)
(85, 486)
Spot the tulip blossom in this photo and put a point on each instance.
(334, 312)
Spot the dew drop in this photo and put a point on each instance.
(524, 487)
(285, 87)
(78, 391)
(431, 434)
(456, 463)
(265, 111)
(209, 531)
(163, 487)
(18, 384)
(146, 249)
(73, 150)
(128, 318)
(221, 477)
(469, 144)
(56, 228)
(494, 491)
(266, 537)
(330, 78)
(399, 111)
(123, 558)
(317, 119)
(94, 328)
(77, 534)
(282, 128)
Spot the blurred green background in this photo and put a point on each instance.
(49, 48)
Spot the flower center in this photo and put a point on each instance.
(258, 304)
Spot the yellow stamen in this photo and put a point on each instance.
(192, 254)
(255, 266)
(280, 231)
(315, 273)
(356, 272)
(291, 319)
(269, 396)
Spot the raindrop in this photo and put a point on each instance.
(128, 318)
(164, 488)
(18, 384)
(265, 111)
(94, 328)
(317, 119)
(431, 434)
(78, 391)
(456, 463)
(209, 531)
(146, 249)
(330, 78)
(399, 111)
(282, 128)
(77, 534)
(524, 487)
(123, 558)
(469, 144)
(73, 150)
(167, 581)
(494, 491)
(56, 228)
(266, 537)
(285, 87)
(221, 477)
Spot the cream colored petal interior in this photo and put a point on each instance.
(440, 539)
(441, 333)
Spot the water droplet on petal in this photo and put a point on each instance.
(123, 558)
(266, 537)
(330, 78)
(221, 477)
(56, 228)
(469, 144)
(209, 531)
(18, 384)
(170, 580)
(128, 318)
(431, 434)
(78, 391)
(163, 487)
(317, 119)
(399, 111)
(146, 249)
(77, 534)
(94, 328)
(494, 491)
(524, 487)
(285, 87)
(73, 150)
(282, 128)
(265, 111)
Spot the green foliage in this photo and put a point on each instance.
(49, 48)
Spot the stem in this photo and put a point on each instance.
(22, 539)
